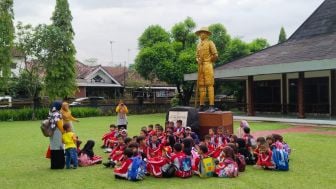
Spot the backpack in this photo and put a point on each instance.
(251, 142)
(280, 158)
(207, 167)
(46, 129)
(137, 170)
(230, 169)
(168, 171)
(185, 169)
(241, 163)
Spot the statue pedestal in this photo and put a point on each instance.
(209, 120)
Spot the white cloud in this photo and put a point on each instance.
(98, 22)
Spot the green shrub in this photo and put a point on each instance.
(42, 113)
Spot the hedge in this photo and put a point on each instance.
(42, 113)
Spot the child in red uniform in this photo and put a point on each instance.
(154, 147)
(227, 166)
(110, 137)
(260, 141)
(220, 139)
(265, 158)
(150, 130)
(117, 153)
(209, 145)
(182, 170)
(160, 134)
(212, 134)
(178, 129)
(121, 172)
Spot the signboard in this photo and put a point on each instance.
(178, 115)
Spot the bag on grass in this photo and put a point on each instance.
(137, 170)
(207, 167)
(185, 169)
(46, 129)
(241, 163)
(280, 158)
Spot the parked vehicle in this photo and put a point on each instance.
(90, 101)
(5, 101)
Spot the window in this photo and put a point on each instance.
(98, 79)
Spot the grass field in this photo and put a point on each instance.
(23, 165)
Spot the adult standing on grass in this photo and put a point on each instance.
(122, 110)
(67, 116)
(56, 145)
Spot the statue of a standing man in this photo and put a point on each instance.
(206, 56)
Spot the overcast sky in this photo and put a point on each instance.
(97, 22)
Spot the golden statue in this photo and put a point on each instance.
(206, 56)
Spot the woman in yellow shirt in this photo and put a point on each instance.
(67, 116)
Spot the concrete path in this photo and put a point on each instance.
(305, 122)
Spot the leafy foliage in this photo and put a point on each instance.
(152, 35)
(168, 58)
(282, 35)
(222, 40)
(6, 42)
(60, 68)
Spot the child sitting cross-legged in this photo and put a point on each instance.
(226, 167)
(121, 172)
(110, 137)
(265, 158)
(181, 162)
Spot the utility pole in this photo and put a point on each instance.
(111, 42)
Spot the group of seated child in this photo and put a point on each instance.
(177, 151)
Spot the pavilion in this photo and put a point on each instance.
(297, 76)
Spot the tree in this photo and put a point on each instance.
(60, 80)
(236, 49)
(6, 42)
(30, 41)
(221, 39)
(152, 35)
(168, 59)
(258, 45)
(282, 35)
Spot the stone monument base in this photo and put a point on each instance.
(216, 119)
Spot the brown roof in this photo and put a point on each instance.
(132, 77)
(315, 39)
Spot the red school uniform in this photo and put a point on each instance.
(154, 149)
(178, 131)
(176, 160)
(110, 136)
(122, 171)
(117, 153)
(220, 140)
(265, 159)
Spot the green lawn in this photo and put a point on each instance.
(23, 164)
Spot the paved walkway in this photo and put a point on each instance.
(306, 122)
(296, 129)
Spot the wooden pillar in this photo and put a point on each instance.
(244, 95)
(284, 94)
(333, 92)
(300, 91)
(250, 97)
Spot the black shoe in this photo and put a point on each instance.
(103, 146)
(112, 164)
(201, 108)
(211, 109)
(107, 164)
